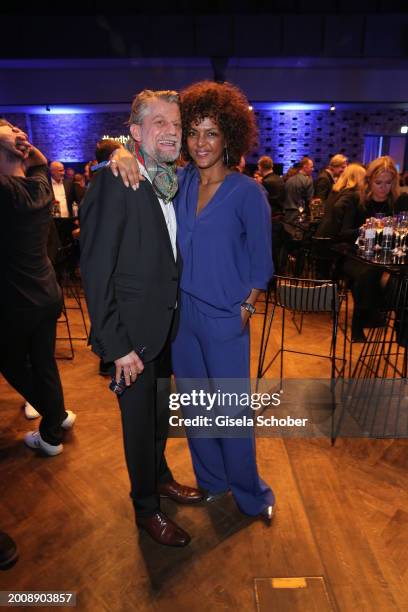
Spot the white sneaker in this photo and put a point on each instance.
(30, 412)
(34, 440)
(69, 420)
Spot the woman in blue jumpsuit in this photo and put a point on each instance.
(224, 234)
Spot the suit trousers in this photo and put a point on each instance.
(145, 411)
(27, 362)
(216, 348)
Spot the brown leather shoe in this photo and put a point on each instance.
(163, 530)
(180, 493)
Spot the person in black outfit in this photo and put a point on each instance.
(275, 188)
(383, 191)
(273, 184)
(30, 301)
(369, 284)
(341, 221)
(327, 177)
(345, 213)
(341, 218)
(131, 268)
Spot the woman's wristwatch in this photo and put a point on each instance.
(249, 308)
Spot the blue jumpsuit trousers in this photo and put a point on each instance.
(214, 347)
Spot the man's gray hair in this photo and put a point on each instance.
(141, 101)
(337, 160)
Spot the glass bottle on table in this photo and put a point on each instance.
(56, 210)
(361, 239)
(315, 209)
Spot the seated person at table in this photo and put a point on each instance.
(369, 284)
(328, 177)
(341, 217)
(382, 193)
(346, 210)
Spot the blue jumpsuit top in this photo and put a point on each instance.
(226, 249)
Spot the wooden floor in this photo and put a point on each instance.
(342, 513)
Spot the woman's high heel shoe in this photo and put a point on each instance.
(267, 514)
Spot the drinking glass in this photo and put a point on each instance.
(379, 226)
(398, 233)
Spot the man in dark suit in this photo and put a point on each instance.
(327, 177)
(62, 189)
(65, 193)
(273, 184)
(131, 268)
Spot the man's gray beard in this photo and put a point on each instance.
(166, 157)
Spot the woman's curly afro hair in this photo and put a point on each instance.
(228, 107)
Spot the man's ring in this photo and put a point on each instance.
(130, 373)
(113, 161)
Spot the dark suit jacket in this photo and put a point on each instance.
(275, 187)
(76, 193)
(323, 186)
(129, 273)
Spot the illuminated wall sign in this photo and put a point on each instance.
(122, 139)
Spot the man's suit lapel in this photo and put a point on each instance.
(161, 221)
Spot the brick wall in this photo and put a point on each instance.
(73, 137)
(288, 135)
(284, 135)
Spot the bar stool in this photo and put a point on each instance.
(299, 295)
(376, 402)
(71, 286)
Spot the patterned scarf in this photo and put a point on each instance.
(163, 175)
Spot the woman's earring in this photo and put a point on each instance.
(226, 159)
